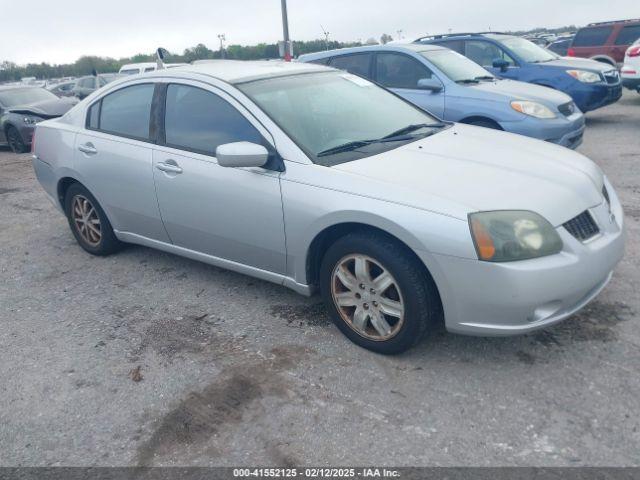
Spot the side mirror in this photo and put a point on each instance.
(241, 154)
(432, 84)
(501, 64)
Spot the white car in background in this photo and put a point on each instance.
(631, 68)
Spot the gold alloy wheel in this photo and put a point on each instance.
(86, 220)
(367, 297)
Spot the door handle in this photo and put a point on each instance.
(88, 148)
(169, 167)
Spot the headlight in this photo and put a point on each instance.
(31, 120)
(505, 236)
(532, 109)
(584, 76)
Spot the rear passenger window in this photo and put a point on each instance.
(200, 121)
(455, 45)
(400, 71)
(628, 35)
(125, 112)
(357, 63)
(592, 36)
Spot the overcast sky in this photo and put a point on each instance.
(61, 31)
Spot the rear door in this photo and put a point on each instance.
(229, 213)
(114, 158)
(401, 73)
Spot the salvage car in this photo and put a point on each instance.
(591, 84)
(21, 108)
(314, 178)
(454, 88)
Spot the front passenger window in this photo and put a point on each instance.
(199, 121)
(484, 53)
(400, 71)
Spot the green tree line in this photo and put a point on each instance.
(85, 65)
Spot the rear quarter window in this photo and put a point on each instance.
(356, 63)
(628, 35)
(592, 36)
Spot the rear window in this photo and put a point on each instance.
(628, 35)
(592, 36)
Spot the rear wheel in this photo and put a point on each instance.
(377, 293)
(14, 139)
(88, 222)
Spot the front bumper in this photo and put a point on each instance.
(498, 299)
(565, 131)
(590, 97)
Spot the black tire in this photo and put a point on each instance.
(485, 124)
(107, 243)
(14, 139)
(421, 300)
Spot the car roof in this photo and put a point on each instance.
(451, 36)
(240, 71)
(138, 65)
(395, 47)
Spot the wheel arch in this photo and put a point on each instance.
(604, 59)
(480, 118)
(63, 185)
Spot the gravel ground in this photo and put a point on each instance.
(145, 357)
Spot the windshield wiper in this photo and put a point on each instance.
(412, 128)
(345, 147)
(485, 77)
(468, 80)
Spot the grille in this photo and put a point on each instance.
(567, 109)
(612, 76)
(583, 227)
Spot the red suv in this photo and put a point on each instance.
(606, 41)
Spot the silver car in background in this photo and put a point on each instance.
(318, 179)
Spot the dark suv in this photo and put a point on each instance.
(606, 41)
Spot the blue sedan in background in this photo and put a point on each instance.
(591, 84)
(454, 88)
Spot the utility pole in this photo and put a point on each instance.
(222, 39)
(326, 36)
(285, 30)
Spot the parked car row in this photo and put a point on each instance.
(454, 88)
(319, 179)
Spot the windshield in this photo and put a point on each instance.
(457, 67)
(25, 96)
(338, 117)
(526, 50)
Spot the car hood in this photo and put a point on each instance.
(579, 63)
(466, 169)
(46, 109)
(524, 91)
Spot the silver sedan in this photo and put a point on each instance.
(320, 180)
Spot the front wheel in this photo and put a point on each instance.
(14, 139)
(377, 293)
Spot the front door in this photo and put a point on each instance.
(401, 73)
(230, 213)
